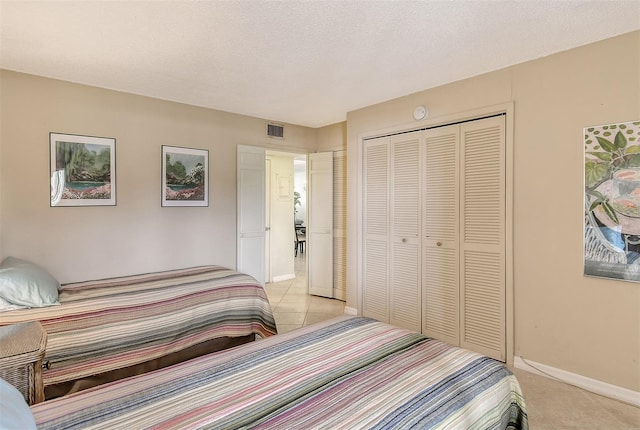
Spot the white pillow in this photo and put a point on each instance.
(6, 306)
(26, 284)
(14, 411)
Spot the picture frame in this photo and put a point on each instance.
(82, 170)
(185, 176)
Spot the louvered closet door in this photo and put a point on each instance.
(375, 292)
(340, 225)
(405, 223)
(440, 262)
(483, 237)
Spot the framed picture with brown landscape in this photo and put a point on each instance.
(82, 170)
(185, 176)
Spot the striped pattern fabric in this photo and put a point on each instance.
(114, 323)
(345, 373)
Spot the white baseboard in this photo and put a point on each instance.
(350, 311)
(284, 277)
(608, 390)
(340, 294)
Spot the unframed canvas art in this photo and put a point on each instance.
(612, 201)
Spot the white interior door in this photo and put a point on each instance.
(320, 224)
(482, 237)
(267, 221)
(250, 213)
(440, 244)
(452, 182)
(339, 225)
(404, 286)
(375, 269)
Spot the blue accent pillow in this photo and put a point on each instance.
(14, 411)
(26, 284)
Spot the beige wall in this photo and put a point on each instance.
(583, 325)
(332, 137)
(562, 319)
(137, 235)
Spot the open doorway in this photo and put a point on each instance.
(285, 217)
(263, 239)
(300, 214)
(290, 298)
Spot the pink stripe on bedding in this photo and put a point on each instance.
(345, 373)
(113, 323)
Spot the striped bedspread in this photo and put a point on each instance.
(114, 323)
(345, 373)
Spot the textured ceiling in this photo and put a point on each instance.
(300, 62)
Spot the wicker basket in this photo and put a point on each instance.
(22, 348)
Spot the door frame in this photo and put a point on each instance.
(265, 246)
(503, 108)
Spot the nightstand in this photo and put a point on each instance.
(22, 348)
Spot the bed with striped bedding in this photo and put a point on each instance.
(110, 324)
(345, 373)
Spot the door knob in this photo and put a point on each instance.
(438, 243)
(404, 240)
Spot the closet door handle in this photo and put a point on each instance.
(404, 240)
(438, 243)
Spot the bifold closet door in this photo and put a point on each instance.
(375, 292)
(440, 244)
(340, 225)
(404, 273)
(483, 278)
(434, 233)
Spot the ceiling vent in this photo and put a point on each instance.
(275, 131)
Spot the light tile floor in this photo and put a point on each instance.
(293, 307)
(551, 405)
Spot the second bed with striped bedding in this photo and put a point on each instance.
(113, 323)
(345, 373)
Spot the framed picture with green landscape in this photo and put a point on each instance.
(82, 170)
(185, 176)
